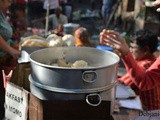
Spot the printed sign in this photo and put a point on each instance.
(16, 102)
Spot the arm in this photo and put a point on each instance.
(7, 48)
(145, 80)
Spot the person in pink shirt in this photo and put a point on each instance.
(143, 79)
(142, 46)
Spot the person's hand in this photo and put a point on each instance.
(14, 53)
(157, 3)
(114, 40)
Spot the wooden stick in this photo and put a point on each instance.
(47, 18)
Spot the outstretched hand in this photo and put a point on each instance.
(114, 40)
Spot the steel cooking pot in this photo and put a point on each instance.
(103, 70)
(93, 97)
(94, 83)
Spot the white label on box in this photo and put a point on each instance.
(16, 102)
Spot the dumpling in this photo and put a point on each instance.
(79, 64)
(62, 63)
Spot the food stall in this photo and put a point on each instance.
(89, 92)
(44, 103)
(59, 92)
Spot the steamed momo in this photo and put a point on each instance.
(76, 64)
(79, 64)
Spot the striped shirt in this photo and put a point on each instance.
(150, 98)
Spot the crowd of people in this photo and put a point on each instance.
(143, 68)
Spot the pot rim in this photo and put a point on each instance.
(69, 68)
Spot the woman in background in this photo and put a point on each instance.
(5, 48)
(6, 31)
(82, 38)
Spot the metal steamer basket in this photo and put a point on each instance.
(93, 84)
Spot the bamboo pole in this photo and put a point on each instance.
(47, 18)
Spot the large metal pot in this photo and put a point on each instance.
(103, 70)
(93, 97)
(99, 77)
